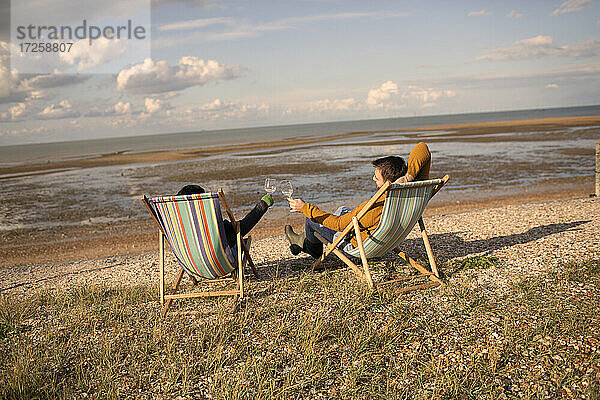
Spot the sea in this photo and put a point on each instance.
(332, 172)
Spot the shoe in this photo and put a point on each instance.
(295, 249)
(294, 238)
(314, 249)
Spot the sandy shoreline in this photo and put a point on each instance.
(123, 158)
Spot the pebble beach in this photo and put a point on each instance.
(528, 239)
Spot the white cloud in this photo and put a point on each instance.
(24, 131)
(348, 104)
(570, 6)
(15, 87)
(481, 13)
(215, 105)
(153, 105)
(225, 110)
(158, 77)
(376, 96)
(17, 111)
(57, 111)
(514, 15)
(85, 56)
(389, 96)
(105, 110)
(5, 74)
(9, 93)
(195, 24)
(552, 86)
(426, 96)
(122, 108)
(14, 113)
(540, 47)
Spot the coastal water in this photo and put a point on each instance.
(328, 173)
(43, 152)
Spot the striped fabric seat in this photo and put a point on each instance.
(402, 209)
(193, 226)
(404, 205)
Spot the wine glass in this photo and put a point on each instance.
(270, 185)
(287, 189)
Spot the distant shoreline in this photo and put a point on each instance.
(460, 130)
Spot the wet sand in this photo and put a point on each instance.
(458, 130)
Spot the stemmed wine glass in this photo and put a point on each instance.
(270, 185)
(287, 189)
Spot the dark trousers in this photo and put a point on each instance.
(310, 227)
(246, 223)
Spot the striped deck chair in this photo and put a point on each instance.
(403, 208)
(193, 227)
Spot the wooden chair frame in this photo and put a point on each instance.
(238, 293)
(365, 273)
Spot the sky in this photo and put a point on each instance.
(215, 64)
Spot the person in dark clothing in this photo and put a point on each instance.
(246, 223)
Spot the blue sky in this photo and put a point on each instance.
(223, 64)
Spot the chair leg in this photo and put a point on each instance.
(363, 255)
(161, 267)
(417, 266)
(418, 287)
(249, 259)
(175, 287)
(341, 255)
(428, 248)
(240, 264)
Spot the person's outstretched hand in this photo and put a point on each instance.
(296, 204)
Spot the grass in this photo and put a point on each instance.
(475, 262)
(315, 335)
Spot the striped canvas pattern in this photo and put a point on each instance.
(193, 226)
(401, 211)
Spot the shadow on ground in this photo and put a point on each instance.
(446, 246)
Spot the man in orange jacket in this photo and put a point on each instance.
(329, 225)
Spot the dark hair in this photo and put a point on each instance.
(391, 167)
(190, 189)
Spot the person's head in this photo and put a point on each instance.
(388, 168)
(190, 189)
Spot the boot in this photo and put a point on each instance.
(296, 240)
(314, 249)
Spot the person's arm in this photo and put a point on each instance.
(337, 222)
(418, 160)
